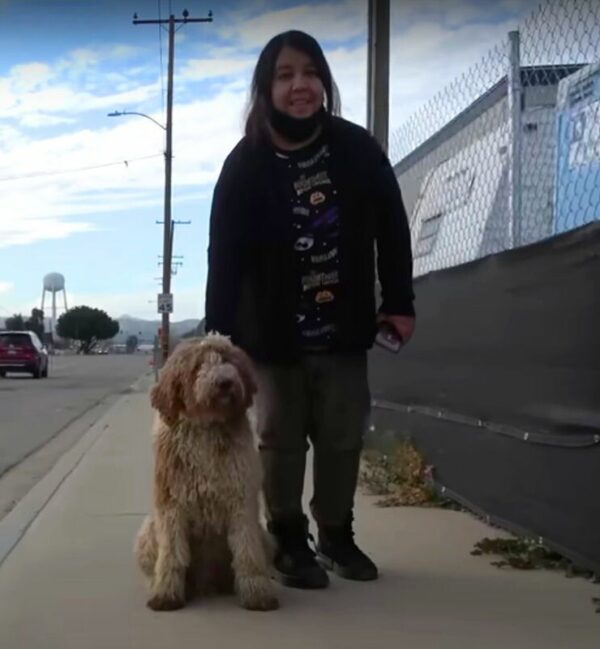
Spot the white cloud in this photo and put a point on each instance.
(63, 99)
(452, 13)
(327, 21)
(349, 69)
(89, 57)
(23, 231)
(39, 120)
(449, 68)
(10, 137)
(5, 287)
(435, 43)
(52, 206)
(83, 58)
(200, 69)
(39, 93)
(7, 98)
(30, 76)
(206, 132)
(26, 108)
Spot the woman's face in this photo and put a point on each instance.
(296, 90)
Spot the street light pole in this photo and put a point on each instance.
(168, 224)
(118, 113)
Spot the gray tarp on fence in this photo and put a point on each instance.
(500, 387)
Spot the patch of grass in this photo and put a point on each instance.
(521, 553)
(530, 554)
(402, 477)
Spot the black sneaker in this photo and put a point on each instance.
(295, 563)
(338, 552)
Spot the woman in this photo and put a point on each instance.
(297, 210)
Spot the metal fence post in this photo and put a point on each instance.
(515, 94)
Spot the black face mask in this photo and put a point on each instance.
(295, 129)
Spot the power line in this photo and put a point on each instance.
(37, 174)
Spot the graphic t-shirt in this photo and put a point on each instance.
(315, 221)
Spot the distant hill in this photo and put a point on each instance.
(145, 330)
(198, 330)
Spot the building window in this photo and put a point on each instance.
(428, 234)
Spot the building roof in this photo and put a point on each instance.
(536, 75)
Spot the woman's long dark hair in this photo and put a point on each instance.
(262, 81)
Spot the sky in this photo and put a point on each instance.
(82, 192)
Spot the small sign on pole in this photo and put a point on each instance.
(165, 303)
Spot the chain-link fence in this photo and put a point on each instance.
(509, 153)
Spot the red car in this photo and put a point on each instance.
(22, 351)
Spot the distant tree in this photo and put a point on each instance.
(36, 322)
(86, 325)
(131, 344)
(16, 323)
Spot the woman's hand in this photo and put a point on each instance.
(404, 325)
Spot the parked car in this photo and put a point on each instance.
(22, 351)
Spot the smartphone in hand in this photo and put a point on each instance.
(388, 338)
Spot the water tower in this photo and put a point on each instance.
(54, 283)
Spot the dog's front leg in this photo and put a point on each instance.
(168, 586)
(250, 565)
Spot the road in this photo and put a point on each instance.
(34, 411)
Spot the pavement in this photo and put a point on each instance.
(41, 420)
(34, 411)
(68, 579)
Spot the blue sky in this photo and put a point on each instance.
(81, 191)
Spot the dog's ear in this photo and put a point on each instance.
(167, 395)
(246, 369)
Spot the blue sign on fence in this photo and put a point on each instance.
(577, 197)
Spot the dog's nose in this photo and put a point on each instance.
(224, 384)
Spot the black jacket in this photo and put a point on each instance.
(251, 285)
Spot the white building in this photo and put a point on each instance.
(456, 184)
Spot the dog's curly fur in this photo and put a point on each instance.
(204, 532)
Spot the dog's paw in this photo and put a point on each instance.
(266, 603)
(257, 594)
(165, 603)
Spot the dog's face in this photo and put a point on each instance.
(219, 389)
(206, 379)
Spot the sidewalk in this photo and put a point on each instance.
(71, 583)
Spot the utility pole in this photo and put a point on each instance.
(168, 222)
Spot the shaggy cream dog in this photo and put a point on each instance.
(204, 533)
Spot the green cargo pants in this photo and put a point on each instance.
(324, 398)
